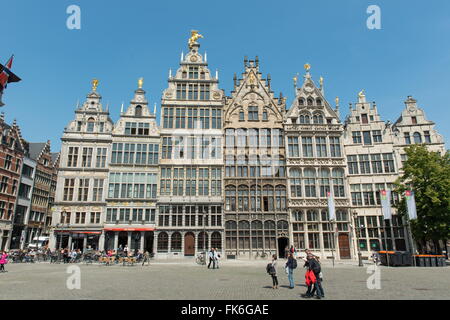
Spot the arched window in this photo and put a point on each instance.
(417, 138)
(282, 225)
(301, 102)
(257, 234)
(231, 234)
(325, 216)
(163, 242)
(243, 198)
(310, 183)
(175, 243)
(269, 235)
(318, 102)
(268, 204)
(310, 102)
(265, 115)
(304, 119)
(298, 215)
(216, 240)
(280, 198)
(202, 241)
(230, 225)
(138, 111)
(241, 115)
(338, 182)
(244, 234)
(318, 118)
(230, 198)
(90, 125)
(295, 183)
(324, 182)
(312, 215)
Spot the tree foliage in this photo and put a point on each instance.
(427, 173)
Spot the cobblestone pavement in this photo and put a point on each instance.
(234, 280)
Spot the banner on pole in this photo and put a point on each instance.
(331, 208)
(411, 204)
(386, 204)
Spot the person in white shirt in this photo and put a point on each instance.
(216, 257)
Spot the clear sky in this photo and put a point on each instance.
(120, 41)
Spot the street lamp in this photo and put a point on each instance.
(357, 228)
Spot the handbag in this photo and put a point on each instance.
(286, 269)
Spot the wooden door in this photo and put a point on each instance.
(189, 244)
(344, 246)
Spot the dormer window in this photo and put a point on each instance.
(301, 102)
(241, 115)
(310, 102)
(317, 119)
(414, 120)
(304, 119)
(138, 111)
(265, 115)
(318, 102)
(193, 72)
(90, 125)
(417, 138)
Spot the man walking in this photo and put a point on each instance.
(211, 256)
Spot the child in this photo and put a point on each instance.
(3, 261)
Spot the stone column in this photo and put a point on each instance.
(85, 242)
(101, 242)
(209, 240)
(169, 242)
(70, 242)
(195, 242)
(142, 241)
(321, 242)
(129, 241)
(155, 242)
(182, 243)
(116, 240)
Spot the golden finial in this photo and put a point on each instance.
(361, 93)
(321, 81)
(337, 101)
(94, 84)
(307, 67)
(194, 37)
(295, 80)
(140, 83)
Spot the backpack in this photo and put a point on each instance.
(316, 267)
(270, 269)
(294, 264)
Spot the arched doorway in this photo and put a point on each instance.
(189, 244)
(283, 243)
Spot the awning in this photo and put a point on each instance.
(129, 229)
(79, 232)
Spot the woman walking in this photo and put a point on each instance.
(273, 272)
(3, 261)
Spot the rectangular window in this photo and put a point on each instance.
(167, 148)
(427, 136)
(377, 137)
(97, 191)
(376, 163)
(86, 160)
(193, 91)
(356, 135)
(69, 185)
(364, 164)
(367, 138)
(101, 158)
(307, 147)
(335, 147)
(293, 146)
(83, 189)
(388, 162)
(352, 162)
(252, 113)
(364, 118)
(72, 158)
(181, 91)
(321, 147)
(407, 138)
(356, 194)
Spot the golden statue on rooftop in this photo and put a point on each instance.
(140, 83)
(307, 67)
(194, 37)
(361, 93)
(94, 84)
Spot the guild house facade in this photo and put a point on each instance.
(242, 172)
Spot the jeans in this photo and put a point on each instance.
(213, 263)
(318, 288)
(291, 278)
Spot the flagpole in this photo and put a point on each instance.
(333, 243)
(385, 242)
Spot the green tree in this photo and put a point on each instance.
(427, 173)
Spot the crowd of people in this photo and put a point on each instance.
(313, 274)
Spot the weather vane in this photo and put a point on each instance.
(6, 76)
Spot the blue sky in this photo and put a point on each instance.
(120, 41)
